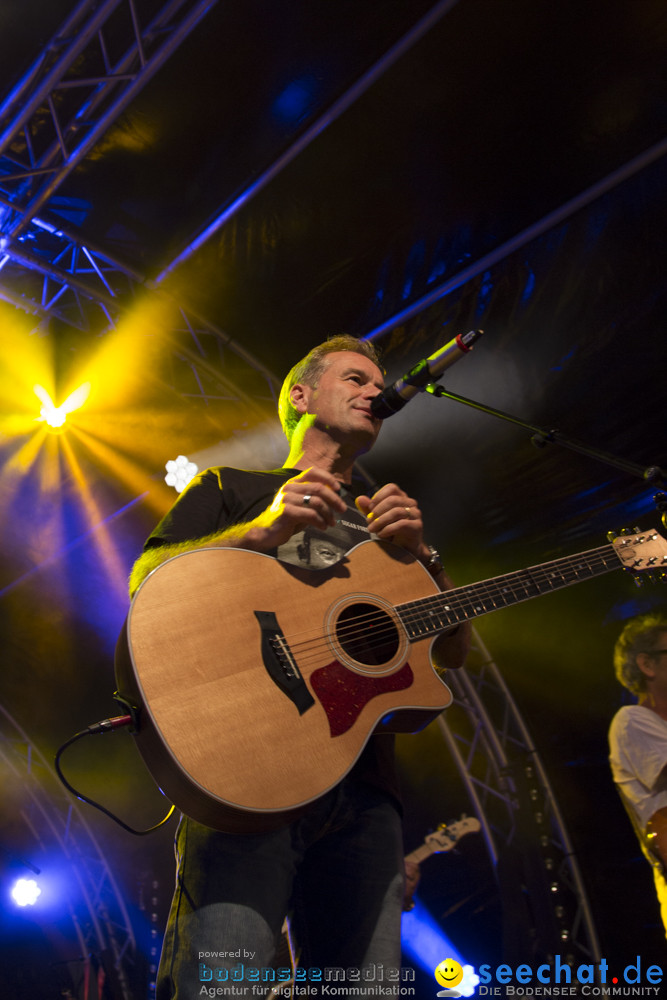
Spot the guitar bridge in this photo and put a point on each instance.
(280, 664)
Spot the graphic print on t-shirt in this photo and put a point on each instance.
(314, 548)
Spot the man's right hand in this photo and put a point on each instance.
(311, 499)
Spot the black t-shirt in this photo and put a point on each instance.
(221, 497)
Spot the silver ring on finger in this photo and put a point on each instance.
(306, 500)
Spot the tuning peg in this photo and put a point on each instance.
(622, 532)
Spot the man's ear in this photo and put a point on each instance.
(645, 664)
(299, 395)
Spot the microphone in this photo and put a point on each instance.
(394, 397)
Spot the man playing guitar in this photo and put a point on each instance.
(338, 866)
(638, 739)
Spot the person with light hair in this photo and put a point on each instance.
(638, 739)
(338, 867)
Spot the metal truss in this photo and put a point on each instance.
(49, 273)
(75, 283)
(66, 101)
(64, 104)
(525, 833)
(97, 63)
(55, 824)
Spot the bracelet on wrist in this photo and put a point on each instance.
(434, 563)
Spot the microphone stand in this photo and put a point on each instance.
(652, 474)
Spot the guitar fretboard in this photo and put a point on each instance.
(431, 615)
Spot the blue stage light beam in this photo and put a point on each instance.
(423, 940)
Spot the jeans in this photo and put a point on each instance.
(339, 867)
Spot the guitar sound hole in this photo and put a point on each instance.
(367, 634)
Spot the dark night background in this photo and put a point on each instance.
(506, 173)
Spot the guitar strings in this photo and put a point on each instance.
(434, 613)
(496, 591)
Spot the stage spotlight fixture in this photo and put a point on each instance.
(25, 892)
(55, 416)
(179, 472)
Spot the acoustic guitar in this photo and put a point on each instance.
(257, 684)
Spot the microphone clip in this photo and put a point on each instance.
(420, 376)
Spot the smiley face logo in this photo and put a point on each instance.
(449, 973)
(458, 980)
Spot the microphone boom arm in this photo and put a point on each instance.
(541, 438)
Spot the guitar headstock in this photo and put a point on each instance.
(447, 834)
(641, 550)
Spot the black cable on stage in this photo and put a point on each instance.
(97, 728)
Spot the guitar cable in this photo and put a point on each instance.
(97, 728)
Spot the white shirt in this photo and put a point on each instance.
(638, 755)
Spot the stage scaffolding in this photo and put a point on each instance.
(65, 102)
